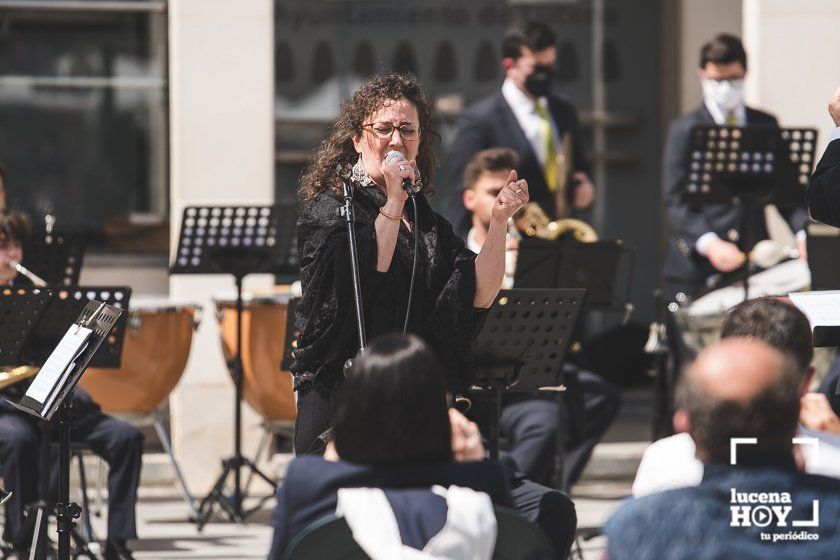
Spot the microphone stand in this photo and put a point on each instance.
(350, 222)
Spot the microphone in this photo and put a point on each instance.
(406, 184)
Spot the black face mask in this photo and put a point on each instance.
(538, 82)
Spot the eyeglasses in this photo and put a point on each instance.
(384, 130)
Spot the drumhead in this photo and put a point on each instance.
(780, 280)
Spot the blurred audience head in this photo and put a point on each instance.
(740, 388)
(776, 322)
(392, 409)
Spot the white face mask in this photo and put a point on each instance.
(726, 94)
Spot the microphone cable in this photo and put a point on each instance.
(416, 232)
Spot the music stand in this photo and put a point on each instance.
(66, 304)
(20, 309)
(235, 240)
(599, 267)
(100, 318)
(521, 346)
(745, 166)
(56, 257)
(823, 248)
(286, 262)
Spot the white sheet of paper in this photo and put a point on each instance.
(822, 308)
(55, 370)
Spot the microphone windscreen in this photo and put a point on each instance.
(392, 155)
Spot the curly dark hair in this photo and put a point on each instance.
(337, 148)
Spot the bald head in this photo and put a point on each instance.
(736, 369)
(740, 388)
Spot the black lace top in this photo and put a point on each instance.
(442, 305)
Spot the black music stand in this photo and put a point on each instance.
(100, 318)
(747, 166)
(55, 257)
(286, 263)
(20, 309)
(66, 304)
(521, 346)
(235, 240)
(601, 268)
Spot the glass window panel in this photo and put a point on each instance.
(84, 112)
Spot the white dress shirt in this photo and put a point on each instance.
(524, 109)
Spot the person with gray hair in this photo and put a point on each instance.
(740, 402)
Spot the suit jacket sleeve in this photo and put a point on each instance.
(470, 138)
(824, 190)
(686, 221)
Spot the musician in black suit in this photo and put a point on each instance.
(391, 430)
(705, 239)
(527, 116)
(824, 190)
(120, 444)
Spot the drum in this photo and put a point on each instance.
(155, 351)
(266, 388)
(701, 321)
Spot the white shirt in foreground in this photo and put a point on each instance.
(670, 462)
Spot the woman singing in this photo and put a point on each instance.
(388, 113)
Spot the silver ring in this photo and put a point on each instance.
(518, 190)
(403, 167)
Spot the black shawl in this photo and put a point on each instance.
(442, 305)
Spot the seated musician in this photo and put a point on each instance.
(118, 443)
(391, 430)
(530, 421)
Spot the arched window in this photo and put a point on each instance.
(323, 63)
(284, 63)
(364, 59)
(404, 60)
(486, 65)
(445, 68)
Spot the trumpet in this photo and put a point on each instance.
(34, 278)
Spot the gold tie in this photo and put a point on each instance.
(731, 119)
(550, 150)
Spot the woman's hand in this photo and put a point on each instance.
(395, 172)
(512, 197)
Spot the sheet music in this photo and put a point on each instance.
(822, 308)
(55, 370)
